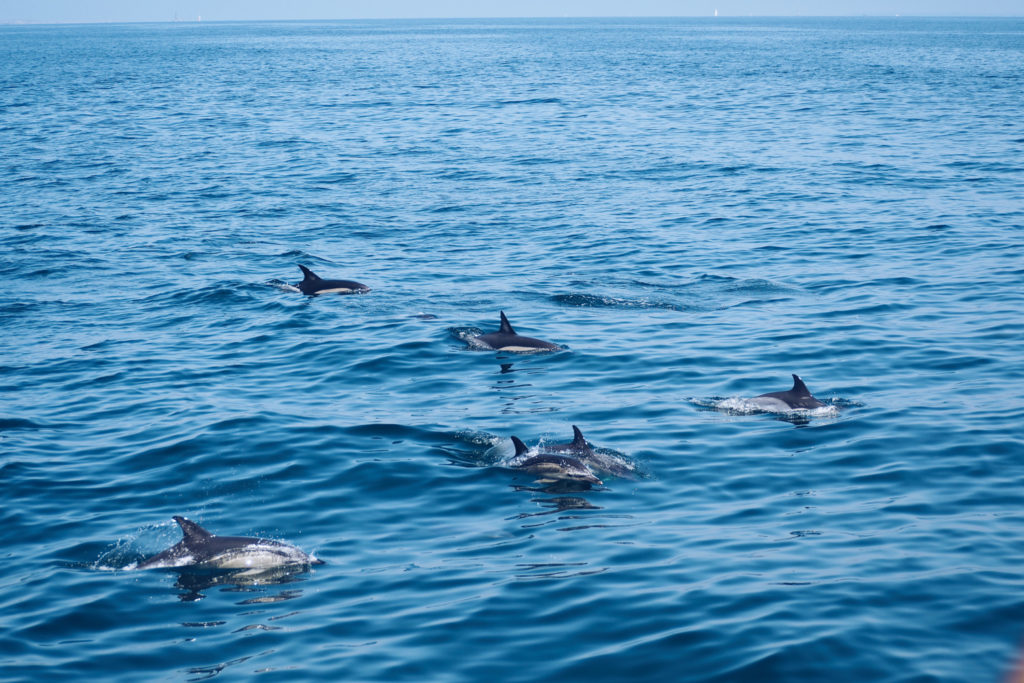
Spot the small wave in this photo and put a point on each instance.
(711, 277)
(598, 301)
(532, 160)
(476, 449)
(756, 302)
(337, 178)
(757, 285)
(284, 286)
(126, 553)
(555, 570)
(219, 294)
(448, 208)
(391, 431)
(534, 100)
(502, 454)
(468, 335)
(19, 423)
(122, 556)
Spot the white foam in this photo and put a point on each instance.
(181, 561)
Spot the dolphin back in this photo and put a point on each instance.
(797, 397)
(314, 284)
(507, 338)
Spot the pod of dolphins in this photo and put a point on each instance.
(568, 462)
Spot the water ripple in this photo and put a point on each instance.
(695, 210)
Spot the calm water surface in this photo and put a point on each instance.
(696, 209)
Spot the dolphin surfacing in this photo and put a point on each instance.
(578, 447)
(312, 284)
(549, 467)
(506, 339)
(200, 548)
(797, 398)
(597, 461)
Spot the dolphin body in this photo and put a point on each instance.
(200, 548)
(506, 339)
(580, 450)
(551, 468)
(312, 284)
(799, 397)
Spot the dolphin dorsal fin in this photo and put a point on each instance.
(192, 532)
(520, 446)
(799, 386)
(308, 274)
(577, 438)
(505, 326)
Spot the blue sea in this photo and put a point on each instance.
(694, 209)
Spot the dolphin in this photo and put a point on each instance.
(201, 548)
(579, 446)
(312, 284)
(506, 339)
(580, 450)
(551, 468)
(797, 397)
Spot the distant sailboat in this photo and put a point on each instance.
(716, 12)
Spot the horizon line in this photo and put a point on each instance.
(199, 20)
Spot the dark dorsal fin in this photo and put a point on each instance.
(308, 274)
(192, 532)
(505, 326)
(577, 438)
(520, 446)
(799, 386)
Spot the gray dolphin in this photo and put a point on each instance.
(506, 339)
(597, 461)
(797, 397)
(199, 547)
(313, 284)
(578, 447)
(551, 468)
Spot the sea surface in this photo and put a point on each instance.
(695, 209)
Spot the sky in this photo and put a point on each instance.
(80, 11)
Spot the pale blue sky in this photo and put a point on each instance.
(56, 11)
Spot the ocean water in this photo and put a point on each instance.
(694, 209)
